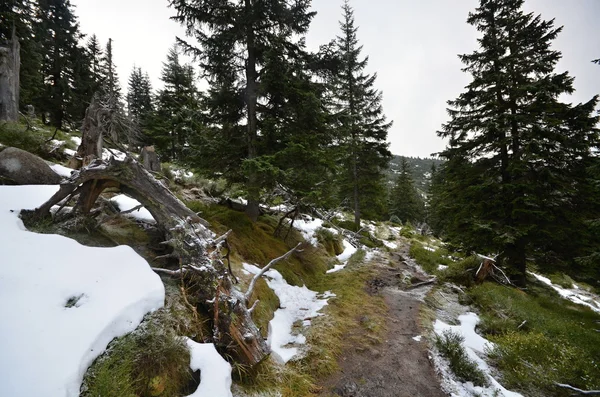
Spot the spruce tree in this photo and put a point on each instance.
(236, 37)
(139, 96)
(361, 124)
(57, 33)
(96, 55)
(177, 108)
(110, 79)
(405, 201)
(516, 154)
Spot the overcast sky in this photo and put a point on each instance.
(411, 44)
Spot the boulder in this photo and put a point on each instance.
(25, 168)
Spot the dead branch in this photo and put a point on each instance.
(580, 391)
(266, 268)
(253, 306)
(417, 285)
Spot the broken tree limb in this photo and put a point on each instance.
(417, 285)
(580, 391)
(266, 268)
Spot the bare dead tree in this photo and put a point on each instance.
(10, 63)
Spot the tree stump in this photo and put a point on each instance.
(150, 159)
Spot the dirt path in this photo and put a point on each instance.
(399, 366)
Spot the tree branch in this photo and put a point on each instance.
(266, 268)
(586, 392)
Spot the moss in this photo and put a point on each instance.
(268, 303)
(450, 347)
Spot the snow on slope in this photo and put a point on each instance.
(296, 303)
(215, 372)
(575, 294)
(475, 345)
(62, 302)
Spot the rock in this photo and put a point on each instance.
(25, 168)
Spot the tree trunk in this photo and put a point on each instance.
(193, 245)
(10, 64)
(92, 132)
(252, 185)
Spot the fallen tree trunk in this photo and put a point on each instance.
(194, 246)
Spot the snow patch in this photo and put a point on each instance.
(70, 152)
(442, 267)
(337, 268)
(349, 250)
(125, 203)
(308, 228)
(76, 140)
(390, 244)
(215, 372)
(67, 301)
(475, 346)
(417, 338)
(575, 295)
(295, 304)
(61, 170)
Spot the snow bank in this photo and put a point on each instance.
(349, 250)
(62, 302)
(215, 372)
(295, 304)
(574, 294)
(475, 346)
(308, 228)
(390, 244)
(61, 170)
(125, 203)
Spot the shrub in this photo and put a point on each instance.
(450, 346)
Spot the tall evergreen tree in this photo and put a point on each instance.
(139, 96)
(177, 107)
(362, 125)
(236, 37)
(57, 33)
(110, 80)
(517, 155)
(96, 64)
(405, 201)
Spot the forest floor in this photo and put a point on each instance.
(399, 365)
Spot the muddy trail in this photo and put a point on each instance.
(399, 366)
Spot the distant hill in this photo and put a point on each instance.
(420, 167)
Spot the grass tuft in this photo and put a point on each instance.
(450, 347)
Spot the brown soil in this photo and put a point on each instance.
(399, 366)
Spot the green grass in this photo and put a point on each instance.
(557, 343)
(429, 260)
(32, 140)
(151, 361)
(353, 317)
(450, 347)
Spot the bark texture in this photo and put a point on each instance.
(10, 64)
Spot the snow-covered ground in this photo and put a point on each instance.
(62, 302)
(215, 372)
(61, 170)
(308, 228)
(476, 346)
(296, 304)
(125, 203)
(575, 294)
